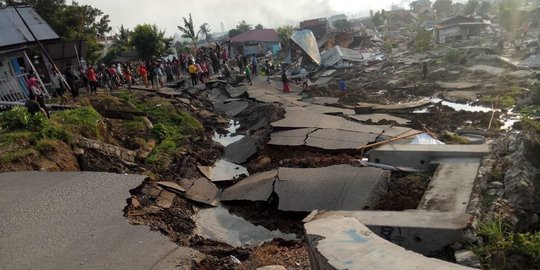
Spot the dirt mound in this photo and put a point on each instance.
(50, 155)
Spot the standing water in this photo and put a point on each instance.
(222, 169)
(230, 137)
(219, 225)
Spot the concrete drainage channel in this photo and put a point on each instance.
(339, 231)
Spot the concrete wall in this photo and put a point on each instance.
(420, 156)
(419, 231)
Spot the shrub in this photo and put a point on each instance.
(16, 118)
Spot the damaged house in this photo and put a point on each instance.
(20, 53)
(257, 41)
(319, 27)
(457, 28)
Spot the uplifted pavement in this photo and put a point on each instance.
(74, 220)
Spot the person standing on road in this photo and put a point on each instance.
(267, 71)
(192, 69)
(58, 85)
(303, 78)
(144, 74)
(92, 79)
(72, 79)
(254, 64)
(285, 81)
(248, 74)
(424, 70)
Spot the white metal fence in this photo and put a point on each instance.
(13, 89)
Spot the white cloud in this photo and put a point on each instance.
(167, 14)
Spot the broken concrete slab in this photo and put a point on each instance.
(325, 100)
(240, 151)
(302, 118)
(329, 110)
(257, 187)
(231, 108)
(204, 191)
(339, 187)
(377, 117)
(74, 220)
(223, 171)
(328, 72)
(397, 106)
(294, 137)
(451, 186)
(218, 224)
(235, 92)
(485, 68)
(338, 242)
(165, 199)
(171, 186)
(419, 156)
(335, 139)
(460, 96)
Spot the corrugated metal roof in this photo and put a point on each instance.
(14, 32)
(337, 54)
(306, 40)
(532, 61)
(260, 35)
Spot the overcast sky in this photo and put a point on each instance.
(167, 14)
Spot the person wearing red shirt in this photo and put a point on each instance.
(92, 79)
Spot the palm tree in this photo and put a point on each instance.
(204, 29)
(189, 31)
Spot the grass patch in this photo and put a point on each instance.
(16, 154)
(84, 121)
(500, 243)
(506, 99)
(134, 125)
(454, 139)
(171, 127)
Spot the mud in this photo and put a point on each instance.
(403, 191)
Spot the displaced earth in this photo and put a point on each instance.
(203, 147)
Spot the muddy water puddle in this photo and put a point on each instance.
(220, 225)
(224, 170)
(456, 106)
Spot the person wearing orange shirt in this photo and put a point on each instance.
(144, 74)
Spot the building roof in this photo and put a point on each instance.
(313, 22)
(257, 35)
(14, 32)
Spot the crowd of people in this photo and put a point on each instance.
(199, 67)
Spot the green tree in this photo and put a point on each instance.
(204, 29)
(149, 41)
(122, 40)
(181, 47)
(342, 25)
(423, 40)
(259, 26)
(443, 7)
(188, 30)
(243, 26)
(485, 7)
(377, 19)
(284, 33)
(471, 7)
